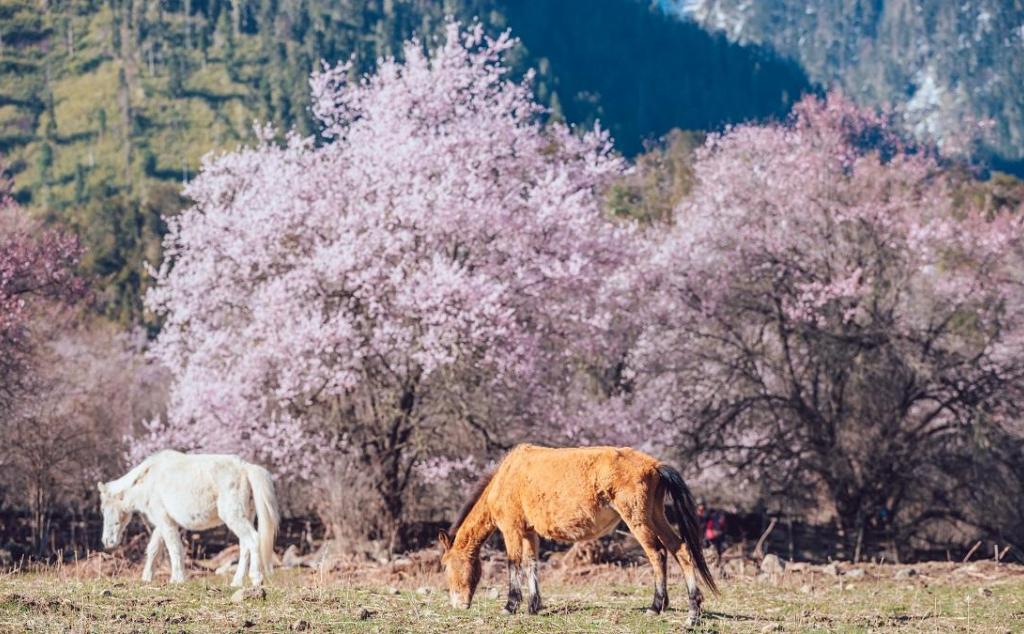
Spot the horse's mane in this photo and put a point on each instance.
(129, 479)
(478, 490)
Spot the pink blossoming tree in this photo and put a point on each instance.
(37, 270)
(426, 283)
(835, 321)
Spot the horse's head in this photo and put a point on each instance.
(116, 515)
(463, 570)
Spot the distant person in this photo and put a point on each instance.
(712, 522)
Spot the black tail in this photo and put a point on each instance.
(686, 515)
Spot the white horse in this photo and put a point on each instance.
(197, 492)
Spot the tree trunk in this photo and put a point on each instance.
(396, 468)
(860, 539)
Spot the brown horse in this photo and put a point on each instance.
(572, 495)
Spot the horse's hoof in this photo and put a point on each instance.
(693, 620)
(509, 610)
(652, 612)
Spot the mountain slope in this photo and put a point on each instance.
(940, 62)
(643, 73)
(107, 106)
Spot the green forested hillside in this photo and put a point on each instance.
(107, 106)
(643, 72)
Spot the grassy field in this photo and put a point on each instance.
(939, 598)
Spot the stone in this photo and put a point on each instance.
(831, 569)
(772, 565)
(806, 588)
(324, 555)
(423, 590)
(106, 592)
(226, 569)
(392, 590)
(299, 626)
(735, 568)
(363, 614)
(493, 593)
(855, 573)
(905, 573)
(249, 594)
(291, 557)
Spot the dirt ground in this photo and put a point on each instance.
(407, 595)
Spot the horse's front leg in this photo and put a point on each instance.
(531, 546)
(172, 539)
(514, 548)
(156, 541)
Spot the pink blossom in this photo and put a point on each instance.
(439, 265)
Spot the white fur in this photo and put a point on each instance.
(196, 492)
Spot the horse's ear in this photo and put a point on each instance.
(444, 540)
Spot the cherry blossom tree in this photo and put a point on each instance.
(89, 385)
(37, 270)
(427, 282)
(834, 320)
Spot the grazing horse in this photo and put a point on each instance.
(197, 492)
(572, 495)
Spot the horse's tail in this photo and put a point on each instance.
(267, 514)
(686, 517)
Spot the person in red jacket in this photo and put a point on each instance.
(712, 522)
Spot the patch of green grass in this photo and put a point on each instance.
(615, 602)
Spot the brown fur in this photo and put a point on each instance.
(574, 494)
(478, 490)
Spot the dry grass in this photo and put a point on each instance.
(409, 597)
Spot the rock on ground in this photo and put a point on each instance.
(772, 565)
(226, 569)
(291, 557)
(249, 594)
